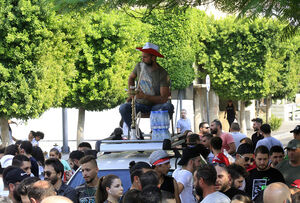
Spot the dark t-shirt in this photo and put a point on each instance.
(34, 167)
(255, 139)
(168, 185)
(233, 191)
(85, 194)
(258, 180)
(230, 112)
(68, 192)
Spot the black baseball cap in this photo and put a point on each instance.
(245, 148)
(296, 130)
(13, 174)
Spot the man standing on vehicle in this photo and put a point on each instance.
(86, 191)
(153, 85)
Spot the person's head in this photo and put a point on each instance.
(223, 182)
(109, 187)
(277, 193)
(216, 143)
(136, 170)
(167, 197)
(205, 176)
(229, 103)
(89, 168)
(38, 135)
(190, 159)
(148, 59)
(215, 126)
(11, 150)
(246, 140)
(265, 129)
(38, 154)
(183, 114)
(56, 198)
(204, 128)
(23, 162)
(193, 139)
(241, 199)
(149, 178)
(40, 190)
(54, 170)
(293, 149)
(132, 196)
(160, 161)
(257, 122)
(26, 147)
(262, 157)
(235, 127)
(12, 177)
(276, 155)
(54, 153)
(74, 158)
(244, 155)
(31, 135)
(23, 188)
(238, 175)
(296, 132)
(83, 146)
(206, 140)
(151, 194)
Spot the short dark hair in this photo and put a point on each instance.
(216, 143)
(208, 173)
(193, 138)
(262, 150)
(85, 144)
(27, 146)
(151, 194)
(11, 150)
(265, 128)
(38, 154)
(137, 172)
(138, 165)
(277, 149)
(167, 195)
(88, 158)
(208, 136)
(38, 134)
(132, 196)
(149, 178)
(235, 126)
(18, 160)
(237, 171)
(22, 189)
(76, 154)
(56, 164)
(245, 148)
(218, 123)
(202, 124)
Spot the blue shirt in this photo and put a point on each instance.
(183, 125)
(269, 142)
(237, 136)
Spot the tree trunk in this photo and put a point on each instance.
(242, 118)
(268, 108)
(4, 132)
(80, 125)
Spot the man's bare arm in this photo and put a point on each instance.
(163, 98)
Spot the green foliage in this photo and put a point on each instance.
(177, 34)
(275, 122)
(107, 55)
(35, 58)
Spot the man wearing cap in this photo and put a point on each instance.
(160, 161)
(153, 85)
(12, 176)
(296, 132)
(190, 161)
(290, 168)
(257, 122)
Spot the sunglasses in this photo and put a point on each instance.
(247, 158)
(47, 173)
(206, 127)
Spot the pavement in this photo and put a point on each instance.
(283, 133)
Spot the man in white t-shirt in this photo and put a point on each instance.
(204, 183)
(190, 160)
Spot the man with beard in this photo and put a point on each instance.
(262, 175)
(204, 182)
(53, 173)
(224, 182)
(153, 85)
(244, 156)
(86, 191)
(276, 155)
(74, 158)
(257, 122)
(203, 129)
(228, 141)
(190, 161)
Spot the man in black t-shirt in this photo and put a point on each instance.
(224, 182)
(263, 175)
(257, 122)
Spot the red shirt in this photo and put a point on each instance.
(221, 159)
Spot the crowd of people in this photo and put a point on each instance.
(213, 167)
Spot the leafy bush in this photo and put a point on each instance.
(275, 122)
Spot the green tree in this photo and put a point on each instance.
(35, 60)
(107, 55)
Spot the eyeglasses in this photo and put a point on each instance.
(47, 173)
(247, 158)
